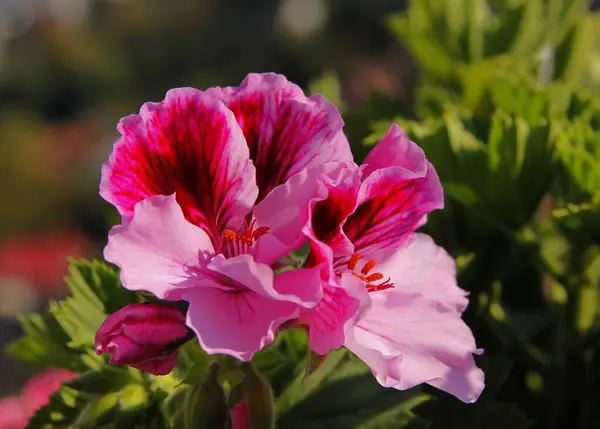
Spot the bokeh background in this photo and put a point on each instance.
(69, 69)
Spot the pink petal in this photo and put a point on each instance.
(14, 414)
(286, 210)
(420, 266)
(299, 286)
(328, 318)
(329, 214)
(158, 251)
(189, 144)
(161, 365)
(408, 340)
(396, 150)
(395, 197)
(236, 324)
(339, 303)
(285, 130)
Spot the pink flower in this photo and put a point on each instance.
(195, 179)
(15, 411)
(13, 414)
(144, 336)
(391, 295)
(37, 390)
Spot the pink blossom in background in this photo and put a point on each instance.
(408, 325)
(143, 336)
(42, 260)
(195, 179)
(15, 411)
(13, 414)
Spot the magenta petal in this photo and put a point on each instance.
(396, 150)
(286, 210)
(329, 214)
(188, 144)
(408, 340)
(393, 200)
(285, 130)
(236, 324)
(301, 286)
(328, 318)
(124, 351)
(421, 266)
(158, 251)
(161, 365)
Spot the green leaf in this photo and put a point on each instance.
(350, 402)
(303, 386)
(578, 147)
(315, 361)
(97, 412)
(448, 413)
(64, 337)
(192, 363)
(44, 343)
(588, 295)
(107, 379)
(96, 292)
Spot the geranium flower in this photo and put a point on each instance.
(194, 178)
(391, 295)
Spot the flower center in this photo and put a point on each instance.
(366, 275)
(237, 243)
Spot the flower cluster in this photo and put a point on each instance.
(217, 189)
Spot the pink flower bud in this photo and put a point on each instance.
(143, 336)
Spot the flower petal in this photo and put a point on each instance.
(259, 278)
(395, 197)
(329, 214)
(161, 365)
(285, 130)
(420, 266)
(158, 251)
(189, 144)
(408, 340)
(396, 150)
(328, 318)
(237, 324)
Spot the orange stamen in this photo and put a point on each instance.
(241, 242)
(374, 277)
(364, 275)
(353, 261)
(229, 234)
(368, 267)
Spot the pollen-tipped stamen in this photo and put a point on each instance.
(241, 242)
(364, 275)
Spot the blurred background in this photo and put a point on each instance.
(69, 69)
